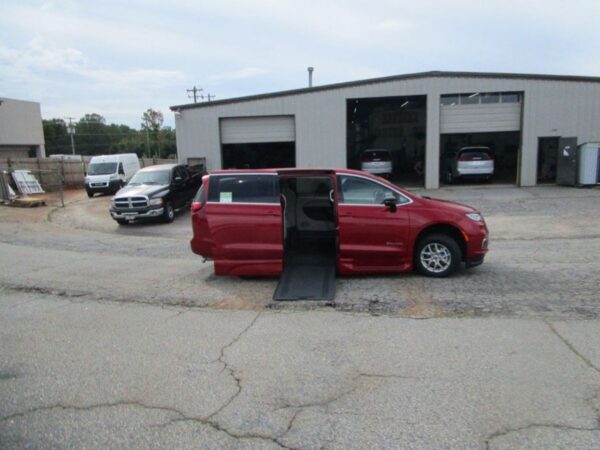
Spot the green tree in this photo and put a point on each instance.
(152, 121)
(92, 135)
(56, 137)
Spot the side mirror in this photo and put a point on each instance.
(390, 203)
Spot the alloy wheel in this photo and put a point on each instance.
(436, 257)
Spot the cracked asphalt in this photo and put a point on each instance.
(119, 337)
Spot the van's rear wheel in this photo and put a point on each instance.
(437, 255)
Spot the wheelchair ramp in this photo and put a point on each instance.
(307, 277)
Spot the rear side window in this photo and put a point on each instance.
(243, 189)
(200, 196)
(378, 155)
(474, 154)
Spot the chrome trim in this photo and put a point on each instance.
(242, 203)
(133, 215)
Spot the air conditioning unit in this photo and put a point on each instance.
(589, 164)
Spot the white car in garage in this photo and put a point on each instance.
(377, 162)
(468, 162)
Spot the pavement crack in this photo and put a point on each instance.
(531, 426)
(384, 376)
(229, 368)
(571, 347)
(90, 408)
(179, 417)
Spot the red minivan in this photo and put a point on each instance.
(254, 222)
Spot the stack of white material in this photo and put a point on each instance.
(26, 182)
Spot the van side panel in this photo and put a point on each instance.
(247, 238)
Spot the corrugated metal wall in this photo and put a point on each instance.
(550, 108)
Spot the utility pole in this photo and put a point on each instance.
(195, 91)
(71, 131)
(148, 142)
(209, 97)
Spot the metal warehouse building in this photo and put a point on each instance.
(421, 118)
(21, 131)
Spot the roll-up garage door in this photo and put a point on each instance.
(481, 118)
(246, 130)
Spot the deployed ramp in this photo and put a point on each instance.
(307, 277)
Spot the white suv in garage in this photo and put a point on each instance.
(468, 162)
(376, 161)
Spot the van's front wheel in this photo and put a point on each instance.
(437, 255)
(168, 213)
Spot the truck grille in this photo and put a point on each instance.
(131, 202)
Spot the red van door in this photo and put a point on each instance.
(244, 217)
(372, 237)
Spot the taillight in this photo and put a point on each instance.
(465, 158)
(196, 206)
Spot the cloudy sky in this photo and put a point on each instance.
(118, 58)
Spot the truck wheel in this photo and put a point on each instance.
(168, 213)
(90, 194)
(437, 255)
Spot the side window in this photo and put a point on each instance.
(200, 196)
(179, 172)
(360, 191)
(243, 189)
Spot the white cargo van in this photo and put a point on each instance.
(109, 173)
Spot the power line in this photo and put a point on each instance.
(195, 92)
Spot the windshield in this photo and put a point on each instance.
(102, 168)
(151, 177)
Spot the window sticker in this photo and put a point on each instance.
(226, 197)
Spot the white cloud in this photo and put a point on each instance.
(246, 72)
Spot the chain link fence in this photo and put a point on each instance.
(56, 176)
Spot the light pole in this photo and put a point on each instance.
(148, 142)
(71, 131)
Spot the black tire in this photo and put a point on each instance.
(122, 221)
(168, 213)
(444, 259)
(90, 194)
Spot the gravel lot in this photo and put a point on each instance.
(543, 262)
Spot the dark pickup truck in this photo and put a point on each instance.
(156, 192)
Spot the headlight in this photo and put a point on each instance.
(114, 177)
(475, 216)
(155, 201)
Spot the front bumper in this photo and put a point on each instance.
(474, 261)
(132, 215)
(112, 186)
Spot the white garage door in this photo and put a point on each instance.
(480, 118)
(246, 130)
